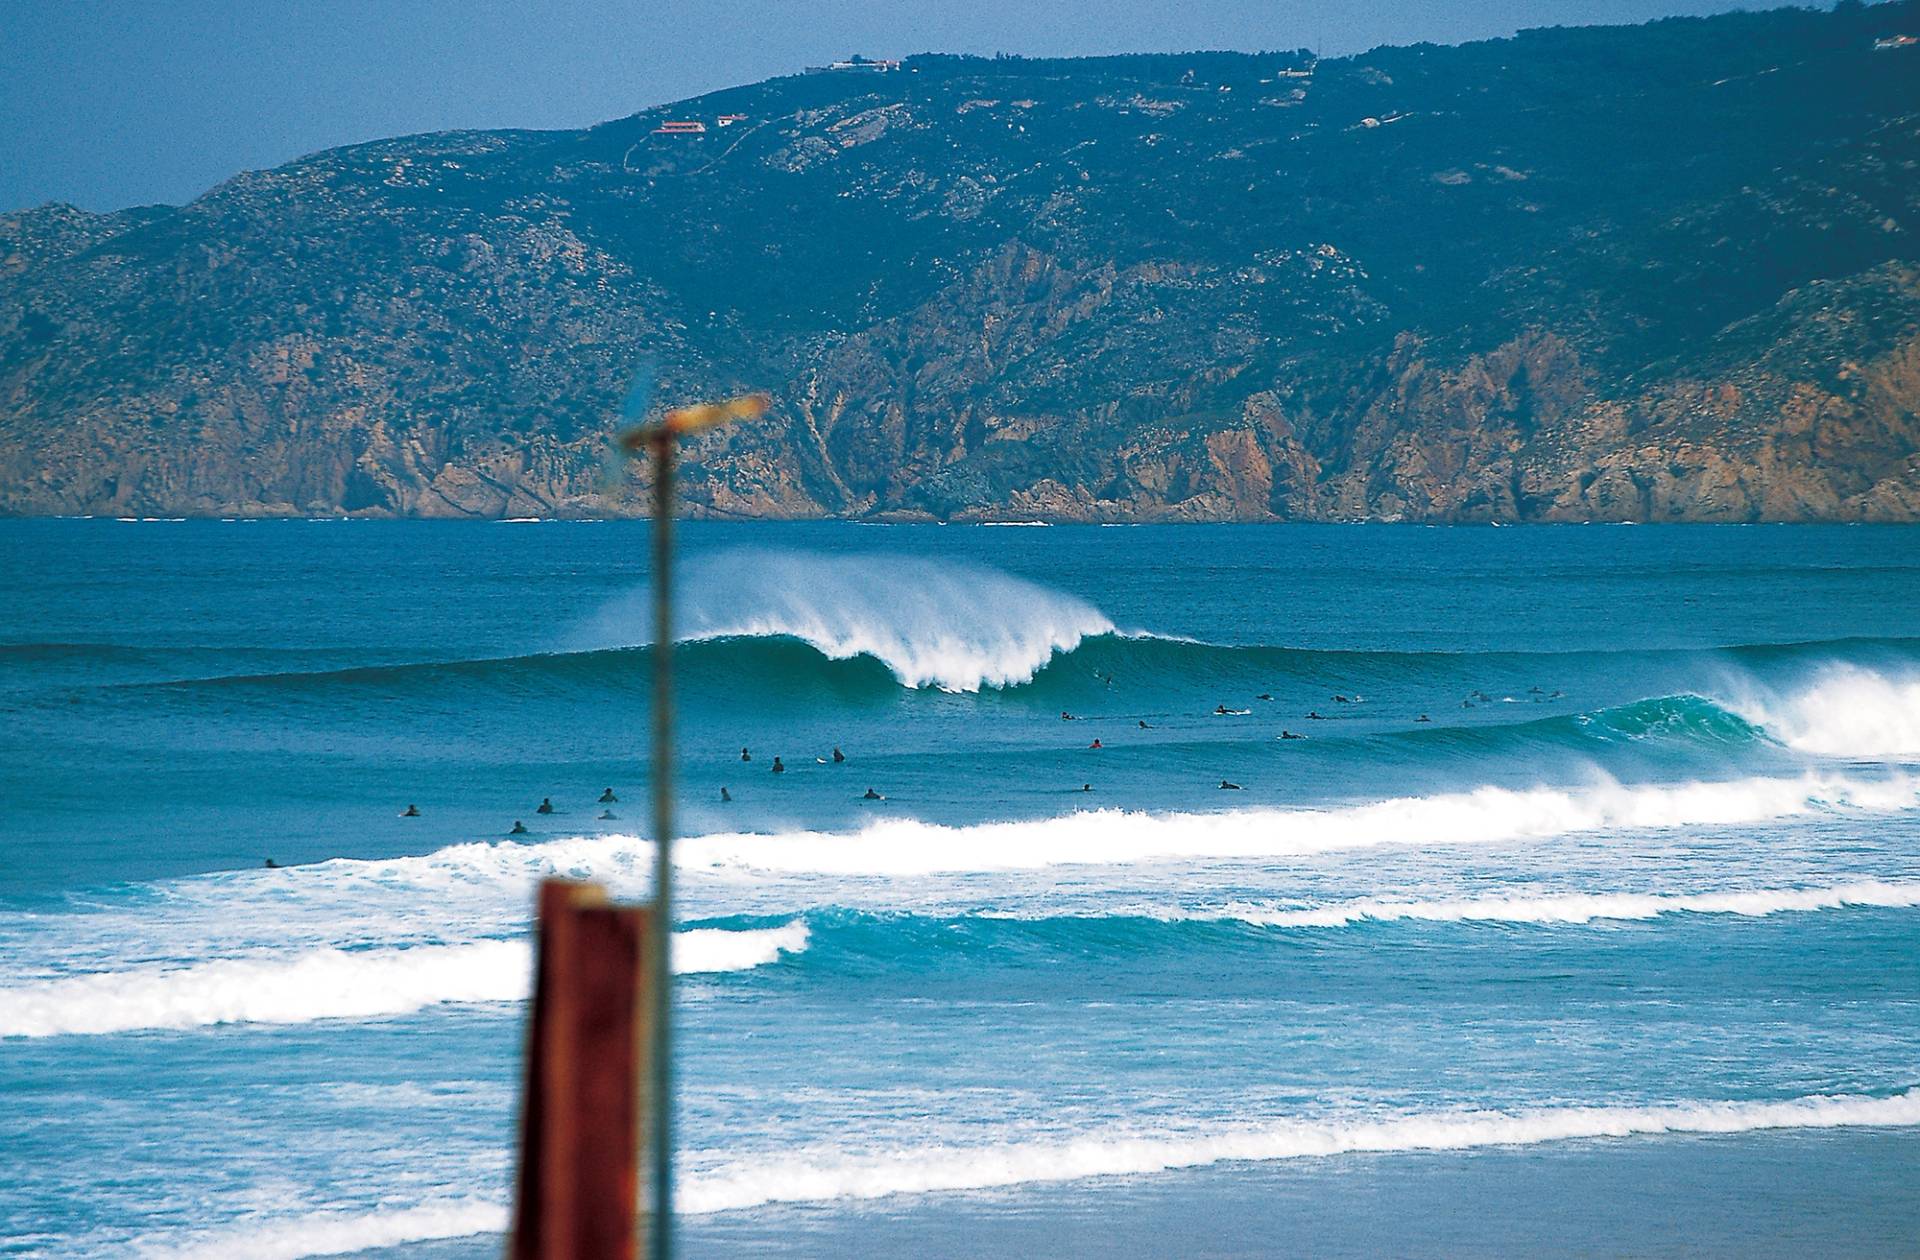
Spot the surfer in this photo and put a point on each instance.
(412, 811)
(1230, 787)
(1086, 787)
(1065, 716)
(608, 798)
(838, 756)
(272, 865)
(546, 805)
(519, 828)
(1314, 715)
(1264, 696)
(1423, 718)
(778, 766)
(1096, 744)
(745, 755)
(1287, 734)
(873, 796)
(725, 795)
(1341, 700)
(1144, 726)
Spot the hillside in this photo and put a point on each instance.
(1666, 272)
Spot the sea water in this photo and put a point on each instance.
(1584, 919)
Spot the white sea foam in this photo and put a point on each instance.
(1112, 837)
(331, 1233)
(829, 1176)
(934, 623)
(332, 984)
(817, 1175)
(1572, 907)
(1844, 711)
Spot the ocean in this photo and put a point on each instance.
(1583, 918)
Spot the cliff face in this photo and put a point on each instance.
(1657, 273)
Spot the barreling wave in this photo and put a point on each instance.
(825, 1175)
(332, 984)
(796, 628)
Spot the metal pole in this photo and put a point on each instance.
(660, 1096)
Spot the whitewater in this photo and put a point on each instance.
(1584, 852)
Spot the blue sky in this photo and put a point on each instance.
(109, 104)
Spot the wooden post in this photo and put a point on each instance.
(580, 1132)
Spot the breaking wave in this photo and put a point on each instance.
(332, 984)
(932, 623)
(827, 1176)
(932, 1169)
(1116, 837)
(1844, 710)
(1577, 907)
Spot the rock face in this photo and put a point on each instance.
(1666, 272)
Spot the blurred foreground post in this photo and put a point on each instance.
(578, 1192)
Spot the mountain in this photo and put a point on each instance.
(1666, 272)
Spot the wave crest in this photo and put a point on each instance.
(933, 623)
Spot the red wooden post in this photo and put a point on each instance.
(580, 1132)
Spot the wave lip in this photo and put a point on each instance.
(932, 1169)
(1578, 907)
(333, 984)
(933, 623)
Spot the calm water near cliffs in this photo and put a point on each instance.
(1585, 919)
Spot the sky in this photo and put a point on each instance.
(112, 103)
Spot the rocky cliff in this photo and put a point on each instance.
(1666, 272)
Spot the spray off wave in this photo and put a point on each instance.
(333, 984)
(933, 623)
(1844, 710)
